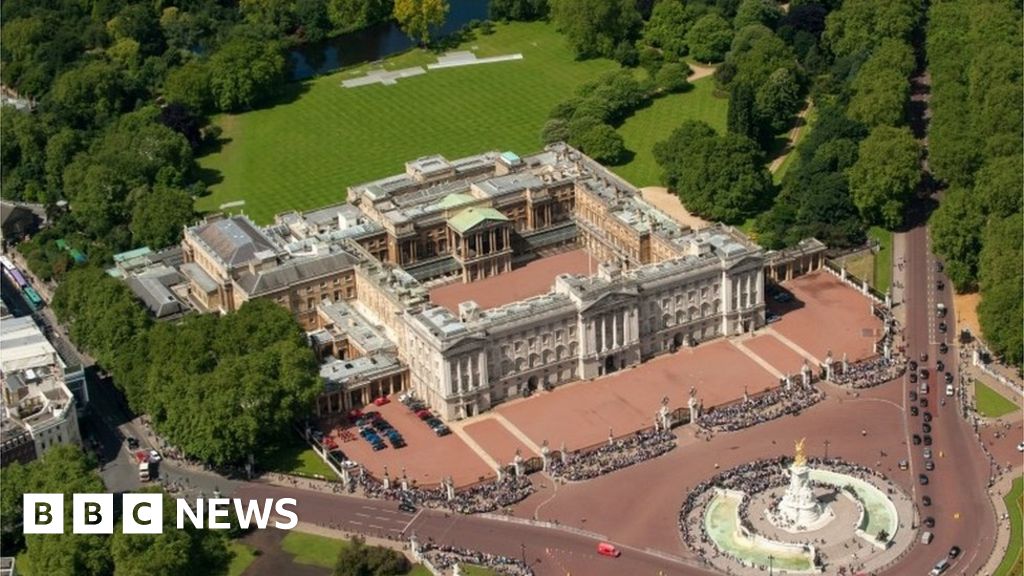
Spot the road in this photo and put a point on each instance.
(550, 551)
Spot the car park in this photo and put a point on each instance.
(926, 500)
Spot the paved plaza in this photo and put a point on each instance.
(534, 279)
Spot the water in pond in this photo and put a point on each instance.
(375, 42)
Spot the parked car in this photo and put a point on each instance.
(154, 456)
(923, 373)
(926, 500)
(912, 376)
(133, 444)
(903, 464)
(924, 356)
(913, 396)
(949, 378)
(381, 400)
(424, 414)
(926, 428)
(924, 402)
(949, 390)
(606, 549)
(927, 453)
(940, 285)
(912, 365)
(442, 430)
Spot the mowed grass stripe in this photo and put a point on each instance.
(304, 153)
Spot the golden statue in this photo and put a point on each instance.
(800, 459)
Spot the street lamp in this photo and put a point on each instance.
(522, 549)
(771, 562)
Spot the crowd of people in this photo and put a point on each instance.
(484, 497)
(782, 401)
(445, 557)
(871, 372)
(613, 456)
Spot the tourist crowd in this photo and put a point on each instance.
(871, 372)
(613, 456)
(781, 401)
(484, 497)
(445, 557)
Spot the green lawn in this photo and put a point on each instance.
(303, 152)
(648, 126)
(883, 258)
(312, 549)
(991, 404)
(299, 459)
(241, 557)
(1012, 564)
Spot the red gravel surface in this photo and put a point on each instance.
(426, 458)
(493, 437)
(771, 350)
(534, 279)
(828, 315)
(581, 414)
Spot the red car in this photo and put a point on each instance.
(606, 549)
(355, 413)
(423, 414)
(381, 401)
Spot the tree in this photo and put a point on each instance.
(89, 95)
(311, 19)
(742, 116)
(358, 559)
(1001, 311)
(885, 175)
(719, 177)
(667, 28)
(765, 12)
(859, 25)
(672, 77)
(348, 15)
(160, 215)
(170, 553)
(602, 143)
(778, 100)
(881, 89)
(998, 184)
(709, 38)
(245, 72)
(555, 130)
(189, 85)
(956, 228)
(596, 27)
(519, 10)
(417, 16)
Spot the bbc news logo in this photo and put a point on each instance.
(144, 513)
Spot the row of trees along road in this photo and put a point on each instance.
(975, 58)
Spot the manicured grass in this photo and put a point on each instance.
(1013, 563)
(241, 557)
(991, 404)
(299, 459)
(883, 258)
(323, 551)
(651, 125)
(321, 138)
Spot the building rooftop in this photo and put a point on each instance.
(471, 217)
(235, 240)
(338, 374)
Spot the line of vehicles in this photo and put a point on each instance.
(19, 280)
(419, 408)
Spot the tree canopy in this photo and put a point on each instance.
(596, 27)
(417, 16)
(718, 177)
(885, 176)
(709, 38)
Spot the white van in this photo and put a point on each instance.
(949, 390)
(924, 387)
(941, 567)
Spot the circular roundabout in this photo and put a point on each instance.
(797, 516)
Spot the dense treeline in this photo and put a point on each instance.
(220, 388)
(975, 58)
(67, 470)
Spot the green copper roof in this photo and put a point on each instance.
(470, 217)
(454, 199)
